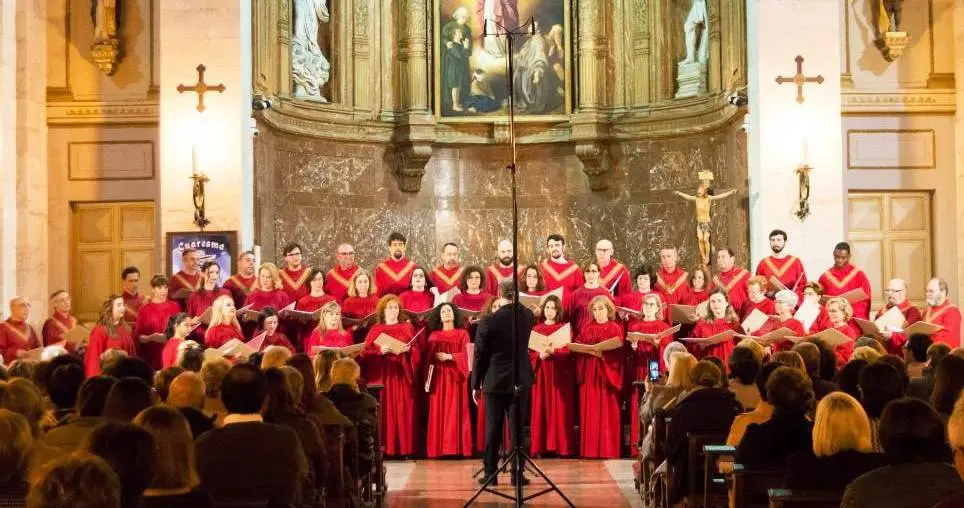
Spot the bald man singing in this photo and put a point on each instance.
(612, 274)
(17, 337)
(502, 268)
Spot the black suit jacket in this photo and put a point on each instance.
(492, 369)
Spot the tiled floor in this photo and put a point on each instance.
(438, 483)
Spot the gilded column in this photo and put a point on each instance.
(361, 55)
(641, 50)
(413, 57)
(592, 44)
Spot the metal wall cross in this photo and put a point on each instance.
(201, 87)
(799, 79)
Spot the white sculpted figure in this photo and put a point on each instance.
(696, 51)
(104, 15)
(310, 70)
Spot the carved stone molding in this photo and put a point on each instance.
(75, 113)
(408, 163)
(595, 164)
(910, 101)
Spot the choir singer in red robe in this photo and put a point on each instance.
(189, 278)
(394, 275)
(314, 300)
(532, 281)
(840, 312)
(699, 287)
(731, 278)
(397, 372)
(843, 277)
(784, 303)
(502, 268)
(111, 332)
(670, 278)
(152, 320)
(781, 265)
(644, 279)
(645, 352)
(613, 275)
(557, 271)
(133, 299)
(268, 325)
(330, 332)
(178, 329)
(269, 292)
(447, 385)
(60, 322)
(756, 298)
(940, 311)
(224, 324)
(245, 281)
(447, 275)
(338, 278)
(202, 299)
(813, 293)
(472, 296)
(579, 302)
(294, 276)
(553, 414)
(719, 317)
(418, 299)
(600, 381)
(362, 298)
(17, 337)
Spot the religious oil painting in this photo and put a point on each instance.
(471, 67)
(218, 246)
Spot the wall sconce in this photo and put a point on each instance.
(198, 191)
(803, 192)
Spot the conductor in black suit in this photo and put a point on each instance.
(492, 372)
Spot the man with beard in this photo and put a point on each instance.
(501, 269)
(940, 311)
(613, 275)
(844, 277)
(244, 282)
(897, 297)
(447, 275)
(394, 275)
(782, 266)
(339, 277)
(558, 271)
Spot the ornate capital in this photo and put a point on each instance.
(595, 164)
(408, 162)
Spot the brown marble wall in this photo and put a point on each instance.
(320, 193)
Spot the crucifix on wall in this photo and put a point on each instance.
(799, 79)
(201, 88)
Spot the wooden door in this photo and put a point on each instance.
(106, 238)
(890, 234)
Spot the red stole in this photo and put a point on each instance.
(788, 270)
(673, 285)
(445, 278)
(394, 276)
(337, 281)
(615, 273)
(496, 273)
(294, 282)
(734, 283)
(132, 304)
(240, 287)
(565, 275)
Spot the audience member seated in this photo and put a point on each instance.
(810, 353)
(274, 356)
(126, 398)
(322, 366)
(22, 397)
(191, 359)
(20, 369)
(130, 366)
(212, 373)
(879, 384)
(763, 411)
(724, 382)
(754, 346)
(866, 353)
(162, 381)
(664, 397)
(79, 480)
(955, 436)
(274, 467)
(187, 395)
(358, 406)
(316, 405)
(923, 386)
(65, 374)
(707, 408)
(281, 410)
(767, 445)
(828, 360)
(915, 354)
(948, 381)
(69, 435)
(744, 367)
(848, 379)
(790, 359)
(912, 436)
(872, 343)
(16, 445)
(175, 483)
(842, 447)
(901, 368)
(129, 450)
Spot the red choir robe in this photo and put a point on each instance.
(615, 273)
(947, 315)
(308, 303)
(56, 328)
(774, 323)
(704, 329)
(331, 338)
(471, 302)
(218, 335)
(199, 302)
(496, 273)
(566, 275)
(259, 299)
(765, 306)
(638, 365)
(449, 426)
(295, 282)
(394, 276)
(240, 287)
(788, 270)
(600, 385)
(132, 304)
(169, 353)
(444, 278)
(821, 322)
(16, 336)
(734, 283)
(911, 316)
(183, 280)
(673, 285)
(398, 374)
(844, 351)
(415, 301)
(696, 297)
(275, 339)
(837, 281)
(634, 301)
(101, 341)
(578, 310)
(151, 319)
(553, 407)
(337, 281)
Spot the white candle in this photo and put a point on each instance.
(194, 159)
(805, 152)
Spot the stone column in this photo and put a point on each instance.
(8, 149)
(958, 51)
(216, 33)
(781, 130)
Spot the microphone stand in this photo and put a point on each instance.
(518, 458)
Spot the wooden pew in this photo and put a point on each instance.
(696, 460)
(786, 498)
(751, 486)
(649, 464)
(714, 483)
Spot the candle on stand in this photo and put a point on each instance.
(194, 160)
(806, 153)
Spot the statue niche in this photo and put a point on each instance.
(310, 69)
(105, 47)
(691, 79)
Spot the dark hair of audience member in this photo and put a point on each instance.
(192, 359)
(948, 381)
(131, 366)
(898, 365)
(744, 365)
(810, 354)
(789, 391)
(828, 360)
(129, 450)
(64, 384)
(20, 368)
(911, 431)
(162, 381)
(78, 480)
(59, 361)
(16, 446)
(243, 389)
(302, 362)
(706, 374)
(848, 379)
(3, 373)
(22, 396)
(879, 384)
(255, 358)
(93, 395)
(40, 374)
(174, 467)
(280, 401)
(126, 398)
(724, 382)
(763, 376)
(936, 353)
(917, 345)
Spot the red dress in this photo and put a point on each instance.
(638, 365)
(418, 301)
(449, 426)
(553, 399)
(101, 341)
(821, 322)
(600, 384)
(397, 374)
(308, 304)
(359, 306)
(911, 316)
(704, 329)
(774, 323)
(259, 299)
(332, 338)
(217, 336)
(616, 273)
(337, 281)
(151, 319)
(16, 336)
(696, 297)
(471, 302)
(169, 353)
(578, 310)
(198, 303)
(56, 328)
(765, 306)
(788, 270)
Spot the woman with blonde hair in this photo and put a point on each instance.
(362, 299)
(600, 380)
(270, 292)
(840, 313)
(275, 356)
(224, 324)
(111, 332)
(16, 447)
(322, 363)
(175, 480)
(790, 359)
(358, 406)
(663, 397)
(865, 353)
(330, 332)
(842, 447)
